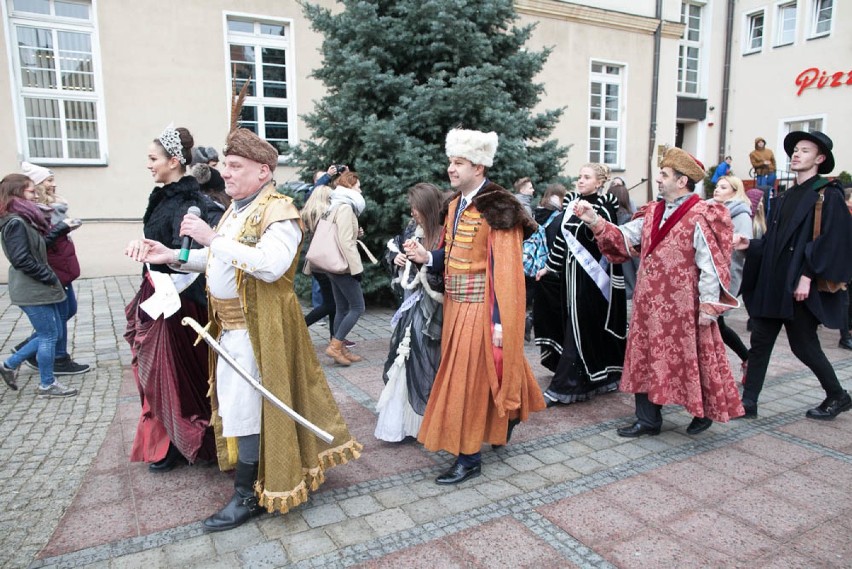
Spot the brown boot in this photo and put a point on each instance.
(352, 357)
(335, 351)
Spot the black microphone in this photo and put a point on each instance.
(183, 256)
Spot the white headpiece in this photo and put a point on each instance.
(170, 139)
(478, 147)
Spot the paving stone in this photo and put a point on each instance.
(497, 490)
(323, 515)
(309, 544)
(393, 497)
(147, 558)
(189, 551)
(269, 554)
(279, 526)
(425, 510)
(360, 506)
(350, 532)
(389, 521)
(584, 465)
(524, 462)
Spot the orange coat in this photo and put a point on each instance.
(479, 388)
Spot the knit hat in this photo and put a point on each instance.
(684, 162)
(245, 143)
(755, 196)
(478, 147)
(204, 154)
(36, 173)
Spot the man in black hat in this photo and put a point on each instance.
(807, 242)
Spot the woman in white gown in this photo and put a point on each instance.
(415, 347)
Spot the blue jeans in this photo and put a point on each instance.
(47, 323)
(316, 293)
(67, 311)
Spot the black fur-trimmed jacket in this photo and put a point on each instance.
(166, 207)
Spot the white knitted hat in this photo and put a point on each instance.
(478, 147)
(36, 173)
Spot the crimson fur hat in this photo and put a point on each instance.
(684, 162)
(245, 143)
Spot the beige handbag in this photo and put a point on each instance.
(324, 254)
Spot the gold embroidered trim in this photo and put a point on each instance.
(312, 478)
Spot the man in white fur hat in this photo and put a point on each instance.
(484, 386)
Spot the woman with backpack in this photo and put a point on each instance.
(588, 356)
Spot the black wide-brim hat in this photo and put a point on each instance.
(820, 139)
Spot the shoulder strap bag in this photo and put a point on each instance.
(824, 285)
(324, 253)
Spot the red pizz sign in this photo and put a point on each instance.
(820, 78)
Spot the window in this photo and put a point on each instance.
(689, 50)
(806, 124)
(57, 80)
(786, 24)
(754, 31)
(605, 116)
(260, 52)
(821, 19)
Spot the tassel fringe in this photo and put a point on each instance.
(312, 479)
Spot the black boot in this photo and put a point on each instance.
(172, 459)
(243, 505)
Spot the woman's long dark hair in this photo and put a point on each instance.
(623, 196)
(12, 186)
(428, 200)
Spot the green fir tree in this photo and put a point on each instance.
(399, 74)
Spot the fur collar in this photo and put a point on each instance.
(500, 208)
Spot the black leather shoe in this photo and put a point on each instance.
(459, 473)
(172, 459)
(830, 408)
(750, 410)
(550, 402)
(637, 429)
(845, 343)
(698, 425)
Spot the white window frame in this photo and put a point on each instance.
(260, 41)
(608, 79)
(685, 44)
(12, 19)
(748, 29)
(780, 41)
(785, 128)
(816, 7)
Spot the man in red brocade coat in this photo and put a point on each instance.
(675, 353)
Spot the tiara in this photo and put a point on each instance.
(170, 139)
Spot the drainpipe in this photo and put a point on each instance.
(652, 134)
(726, 82)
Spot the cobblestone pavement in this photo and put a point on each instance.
(567, 492)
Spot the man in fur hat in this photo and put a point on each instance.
(484, 385)
(783, 269)
(675, 352)
(250, 260)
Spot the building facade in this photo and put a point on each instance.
(90, 83)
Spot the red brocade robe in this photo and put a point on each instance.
(669, 355)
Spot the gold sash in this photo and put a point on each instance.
(228, 312)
